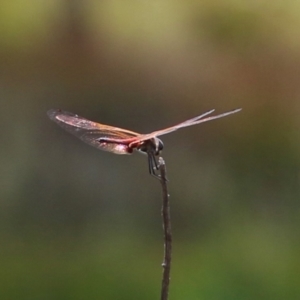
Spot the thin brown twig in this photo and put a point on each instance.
(165, 211)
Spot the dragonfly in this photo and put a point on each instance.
(122, 141)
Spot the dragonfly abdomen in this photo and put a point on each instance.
(116, 148)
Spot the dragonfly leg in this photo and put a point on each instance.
(153, 165)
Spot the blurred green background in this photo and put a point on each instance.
(77, 223)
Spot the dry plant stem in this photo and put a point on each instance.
(165, 211)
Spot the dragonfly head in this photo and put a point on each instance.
(153, 146)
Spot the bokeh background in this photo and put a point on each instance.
(77, 223)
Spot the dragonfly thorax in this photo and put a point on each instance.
(154, 146)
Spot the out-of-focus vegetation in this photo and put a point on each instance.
(77, 223)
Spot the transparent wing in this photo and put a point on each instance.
(89, 131)
(194, 121)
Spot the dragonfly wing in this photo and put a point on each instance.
(213, 117)
(194, 121)
(66, 120)
(189, 121)
(91, 132)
